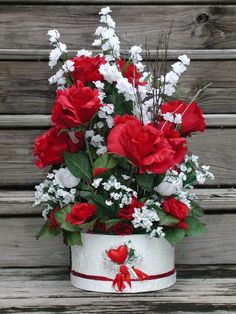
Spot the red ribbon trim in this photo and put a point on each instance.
(102, 278)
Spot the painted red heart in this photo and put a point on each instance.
(119, 255)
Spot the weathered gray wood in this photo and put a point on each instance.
(62, 272)
(20, 248)
(16, 203)
(194, 54)
(37, 120)
(195, 27)
(41, 120)
(24, 86)
(105, 2)
(49, 291)
(215, 147)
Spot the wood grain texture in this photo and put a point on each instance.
(117, 2)
(24, 86)
(44, 121)
(215, 147)
(62, 272)
(17, 203)
(21, 249)
(195, 27)
(49, 291)
(194, 54)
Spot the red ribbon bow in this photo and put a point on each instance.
(124, 276)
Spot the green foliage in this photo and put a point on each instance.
(195, 210)
(191, 177)
(195, 227)
(123, 163)
(72, 238)
(158, 179)
(105, 161)
(102, 208)
(47, 231)
(78, 164)
(145, 181)
(122, 106)
(111, 222)
(174, 235)
(165, 219)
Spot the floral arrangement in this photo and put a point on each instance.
(118, 146)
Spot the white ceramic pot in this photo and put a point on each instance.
(127, 264)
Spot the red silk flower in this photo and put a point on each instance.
(130, 71)
(145, 146)
(75, 105)
(86, 69)
(127, 212)
(80, 213)
(122, 228)
(177, 209)
(53, 223)
(50, 146)
(192, 118)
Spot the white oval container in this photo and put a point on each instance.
(93, 270)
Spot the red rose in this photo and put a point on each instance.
(144, 145)
(127, 212)
(130, 71)
(75, 105)
(80, 213)
(179, 144)
(101, 227)
(87, 68)
(177, 209)
(182, 225)
(53, 223)
(50, 146)
(122, 228)
(192, 118)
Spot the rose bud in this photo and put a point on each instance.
(65, 179)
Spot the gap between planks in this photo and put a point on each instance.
(19, 203)
(40, 120)
(194, 54)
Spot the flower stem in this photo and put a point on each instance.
(88, 151)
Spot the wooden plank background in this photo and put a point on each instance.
(205, 29)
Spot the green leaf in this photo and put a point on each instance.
(165, 219)
(122, 106)
(88, 225)
(174, 235)
(195, 210)
(111, 222)
(48, 232)
(159, 178)
(195, 227)
(78, 164)
(102, 208)
(84, 186)
(145, 181)
(72, 238)
(124, 163)
(105, 161)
